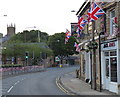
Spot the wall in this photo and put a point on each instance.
(118, 66)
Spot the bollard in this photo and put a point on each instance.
(60, 65)
(77, 73)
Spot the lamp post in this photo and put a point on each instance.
(3, 15)
(1, 47)
(73, 11)
(37, 32)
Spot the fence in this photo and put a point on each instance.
(20, 70)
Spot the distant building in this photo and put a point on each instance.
(1, 35)
(10, 32)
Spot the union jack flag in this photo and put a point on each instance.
(78, 32)
(95, 12)
(67, 35)
(81, 22)
(75, 44)
(77, 47)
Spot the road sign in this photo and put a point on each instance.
(57, 58)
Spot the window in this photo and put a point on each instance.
(107, 67)
(106, 53)
(111, 65)
(113, 53)
(112, 25)
(113, 62)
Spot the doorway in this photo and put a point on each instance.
(110, 68)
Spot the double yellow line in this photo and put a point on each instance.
(61, 87)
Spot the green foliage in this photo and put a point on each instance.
(19, 49)
(27, 41)
(30, 36)
(57, 44)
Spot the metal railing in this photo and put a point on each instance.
(20, 70)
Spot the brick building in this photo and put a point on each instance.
(101, 65)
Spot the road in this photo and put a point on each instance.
(40, 83)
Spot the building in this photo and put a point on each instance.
(100, 64)
(10, 32)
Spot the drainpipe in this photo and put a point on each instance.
(94, 57)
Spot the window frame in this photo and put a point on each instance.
(112, 21)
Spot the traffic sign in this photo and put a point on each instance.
(57, 58)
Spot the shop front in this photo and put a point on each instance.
(110, 61)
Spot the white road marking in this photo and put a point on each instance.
(14, 85)
(23, 79)
(16, 82)
(10, 89)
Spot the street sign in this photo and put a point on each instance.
(57, 58)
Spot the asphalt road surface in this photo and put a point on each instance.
(40, 83)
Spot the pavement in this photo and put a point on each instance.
(75, 86)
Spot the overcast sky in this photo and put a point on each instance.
(51, 16)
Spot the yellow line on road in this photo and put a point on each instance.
(61, 87)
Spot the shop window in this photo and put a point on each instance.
(113, 62)
(106, 53)
(113, 53)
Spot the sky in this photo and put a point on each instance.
(50, 16)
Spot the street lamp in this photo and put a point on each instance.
(1, 47)
(38, 32)
(73, 11)
(3, 15)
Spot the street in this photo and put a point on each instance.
(40, 83)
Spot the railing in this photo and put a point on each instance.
(20, 70)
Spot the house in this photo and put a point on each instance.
(100, 58)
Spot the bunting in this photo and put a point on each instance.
(81, 23)
(77, 47)
(67, 35)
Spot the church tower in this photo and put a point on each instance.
(10, 30)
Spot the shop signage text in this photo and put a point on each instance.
(111, 44)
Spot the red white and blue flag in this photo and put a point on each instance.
(67, 35)
(78, 31)
(77, 47)
(95, 12)
(75, 44)
(81, 23)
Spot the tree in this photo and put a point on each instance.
(57, 44)
(30, 36)
(27, 41)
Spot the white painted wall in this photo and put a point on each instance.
(118, 61)
(86, 65)
(103, 69)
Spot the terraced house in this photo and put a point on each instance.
(100, 53)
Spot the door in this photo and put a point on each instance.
(113, 69)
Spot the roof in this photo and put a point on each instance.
(84, 6)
